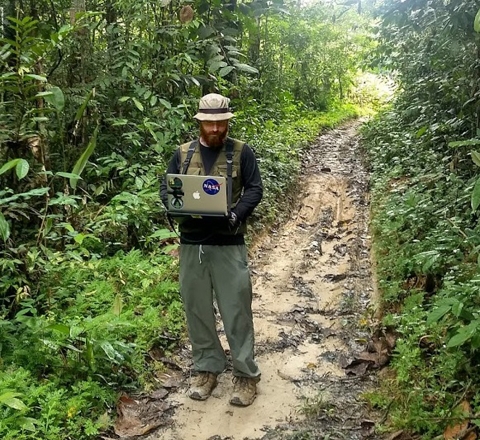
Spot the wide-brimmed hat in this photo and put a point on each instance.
(213, 107)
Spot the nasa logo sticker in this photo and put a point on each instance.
(211, 187)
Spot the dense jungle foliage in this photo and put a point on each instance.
(94, 98)
(424, 154)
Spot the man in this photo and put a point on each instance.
(213, 255)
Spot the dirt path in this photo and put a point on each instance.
(313, 302)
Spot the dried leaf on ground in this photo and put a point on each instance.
(171, 379)
(367, 427)
(376, 355)
(460, 429)
(401, 435)
(138, 417)
(357, 368)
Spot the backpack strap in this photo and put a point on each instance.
(229, 146)
(191, 150)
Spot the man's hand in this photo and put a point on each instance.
(233, 219)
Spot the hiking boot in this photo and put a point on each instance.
(202, 385)
(244, 390)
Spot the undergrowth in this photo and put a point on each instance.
(426, 247)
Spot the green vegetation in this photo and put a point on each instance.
(92, 104)
(425, 212)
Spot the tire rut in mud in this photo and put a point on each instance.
(315, 297)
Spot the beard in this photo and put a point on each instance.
(215, 140)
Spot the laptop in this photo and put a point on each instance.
(197, 195)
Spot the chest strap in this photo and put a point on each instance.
(186, 162)
(229, 153)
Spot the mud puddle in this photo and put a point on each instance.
(313, 311)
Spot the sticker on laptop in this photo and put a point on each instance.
(177, 203)
(211, 187)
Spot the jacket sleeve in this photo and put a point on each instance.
(252, 184)
(173, 168)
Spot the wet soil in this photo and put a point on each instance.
(314, 308)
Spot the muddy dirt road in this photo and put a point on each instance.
(313, 305)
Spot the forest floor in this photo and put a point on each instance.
(314, 315)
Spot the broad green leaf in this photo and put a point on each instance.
(117, 305)
(163, 234)
(464, 334)
(15, 403)
(32, 192)
(56, 98)
(61, 328)
(476, 23)
(216, 65)
(120, 122)
(68, 227)
(217, 57)
(476, 158)
(8, 395)
(76, 331)
(43, 94)
(205, 32)
(124, 98)
(48, 226)
(245, 9)
(246, 68)
(79, 238)
(28, 423)
(438, 313)
(82, 108)
(466, 143)
(235, 53)
(138, 104)
(9, 165)
(476, 195)
(37, 77)
(109, 350)
(73, 348)
(22, 168)
(67, 175)
(6, 75)
(457, 308)
(195, 81)
(153, 100)
(224, 71)
(82, 161)
(165, 103)
(4, 228)
(461, 337)
(421, 132)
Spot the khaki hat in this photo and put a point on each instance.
(213, 107)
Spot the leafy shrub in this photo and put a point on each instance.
(99, 320)
(426, 248)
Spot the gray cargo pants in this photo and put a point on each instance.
(205, 269)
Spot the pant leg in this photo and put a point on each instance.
(197, 294)
(233, 290)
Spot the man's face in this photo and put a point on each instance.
(214, 133)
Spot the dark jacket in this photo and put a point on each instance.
(216, 230)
